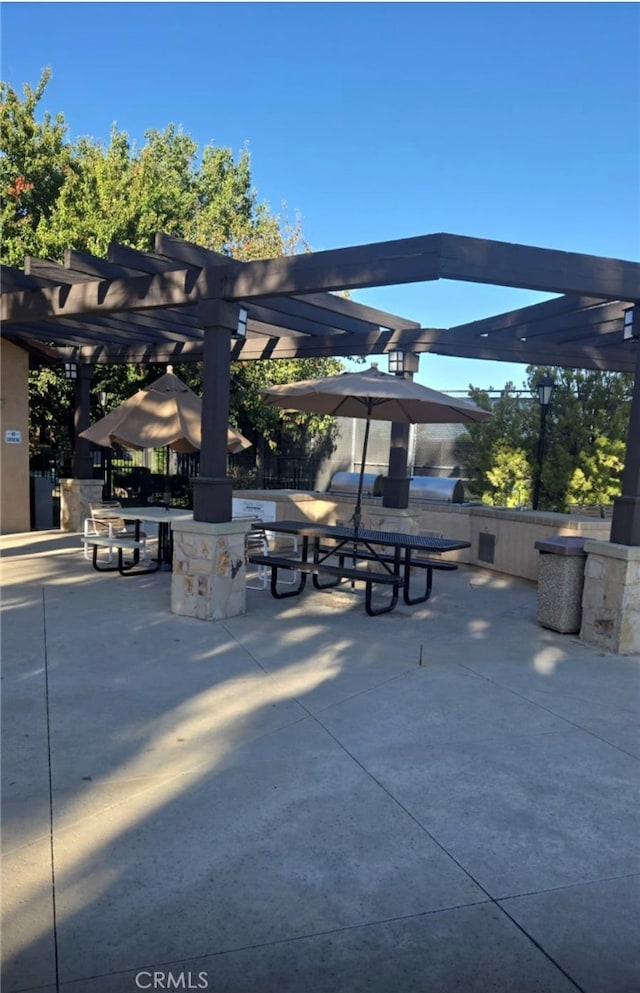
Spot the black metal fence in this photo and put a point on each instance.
(126, 478)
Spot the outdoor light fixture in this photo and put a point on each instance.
(102, 399)
(396, 363)
(401, 362)
(70, 370)
(629, 332)
(241, 330)
(546, 388)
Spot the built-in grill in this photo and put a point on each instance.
(347, 482)
(433, 488)
(439, 488)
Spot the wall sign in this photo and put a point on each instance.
(265, 510)
(13, 437)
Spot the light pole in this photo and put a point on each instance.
(546, 388)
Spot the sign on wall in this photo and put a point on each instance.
(13, 437)
(264, 510)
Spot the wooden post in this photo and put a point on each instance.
(82, 461)
(212, 489)
(395, 486)
(625, 524)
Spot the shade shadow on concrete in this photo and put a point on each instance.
(305, 797)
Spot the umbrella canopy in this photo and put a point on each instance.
(376, 395)
(165, 414)
(373, 395)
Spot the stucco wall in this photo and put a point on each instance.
(14, 459)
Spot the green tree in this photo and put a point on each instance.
(586, 434)
(585, 437)
(510, 430)
(597, 480)
(509, 477)
(34, 160)
(58, 195)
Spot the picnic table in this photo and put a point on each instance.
(162, 516)
(376, 558)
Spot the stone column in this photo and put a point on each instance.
(611, 597)
(75, 497)
(209, 569)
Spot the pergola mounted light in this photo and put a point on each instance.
(401, 362)
(396, 363)
(241, 329)
(70, 370)
(630, 331)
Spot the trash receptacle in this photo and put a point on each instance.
(560, 583)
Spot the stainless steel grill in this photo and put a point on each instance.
(347, 482)
(438, 488)
(434, 488)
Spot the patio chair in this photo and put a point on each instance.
(108, 527)
(260, 540)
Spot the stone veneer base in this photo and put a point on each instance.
(209, 569)
(75, 497)
(611, 597)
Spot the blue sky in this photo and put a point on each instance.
(510, 121)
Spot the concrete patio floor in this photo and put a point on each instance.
(289, 802)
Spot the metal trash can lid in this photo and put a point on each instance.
(561, 544)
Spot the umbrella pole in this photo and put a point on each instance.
(167, 481)
(357, 514)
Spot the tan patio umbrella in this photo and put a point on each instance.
(373, 395)
(165, 414)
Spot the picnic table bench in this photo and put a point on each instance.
(416, 562)
(323, 544)
(128, 567)
(339, 572)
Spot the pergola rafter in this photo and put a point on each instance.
(181, 303)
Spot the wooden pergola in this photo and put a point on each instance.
(186, 303)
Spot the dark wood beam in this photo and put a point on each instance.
(111, 354)
(574, 325)
(98, 268)
(537, 312)
(410, 260)
(315, 306)
(53, 273)
(372, 343)
(612, 358)
(353, 308)
(477, 260)
(13, 280)
(166, 289)
(180, 250)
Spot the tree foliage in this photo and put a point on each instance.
(58, 195)
(34, 159)
(585, 440)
